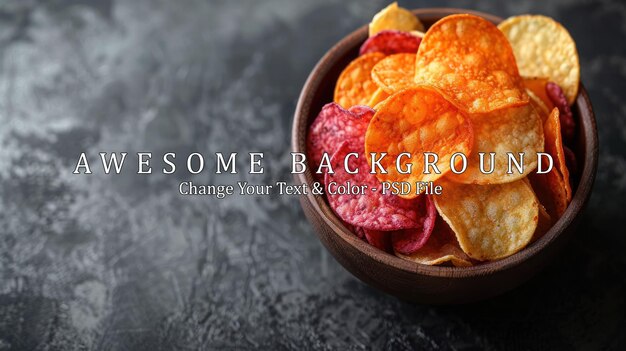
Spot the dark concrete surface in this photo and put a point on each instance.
(122, 262)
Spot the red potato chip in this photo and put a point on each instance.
(557, 96)
(408, 241)
(442, 247)
(371, 209)
(358, 231)
(472, 63)
(391, 42)
(379, 239)
(395, 72)
(362, 112)
(415, 121)
(355, 85)
(333, 126)
(516, 129)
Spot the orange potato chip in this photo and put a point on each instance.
(355, 85)
(516, 129)
(442, 247)
(550, 192)
(490, 221)
(395, 72)
(471, 61)
(378, 97)
(544, 48)
(415, 121)
(395, 17)
(538, 86)
(553, 188)
(554, 146)
(539, 106)
(544, 223)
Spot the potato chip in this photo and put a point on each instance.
(550, 192)
(544, 48)
(557, 96)
(538, 86)
(417, 33)
(415, 121)
(570, 162)
(490, 221)
(408, 241)
(362, 112)
(516, 129)
(379, 96)
(544, 223)
(379, 105)
(333, 126)
(391, 42)
(395, 17)
(441, 247)
(379, 239)
(471, 61)
(369, 209)
(355, 85)
(395, 72)
(554, 146)
(539, 106)
(553, 188)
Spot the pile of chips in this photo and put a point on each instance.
(463, 86)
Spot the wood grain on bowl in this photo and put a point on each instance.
(408, 280)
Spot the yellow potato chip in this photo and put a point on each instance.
(543, 47)
(395, 17)
(415, 121)
(516, 129)
(355, 85)
(490, 221)
(472, 63)
(395, 72)
(378, 97)
(417, 33)
(442, 247)
(379, 105)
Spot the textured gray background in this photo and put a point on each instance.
(124, 263)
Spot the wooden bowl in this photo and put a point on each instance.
(408, 280)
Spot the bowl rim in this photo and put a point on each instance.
(587, 126)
